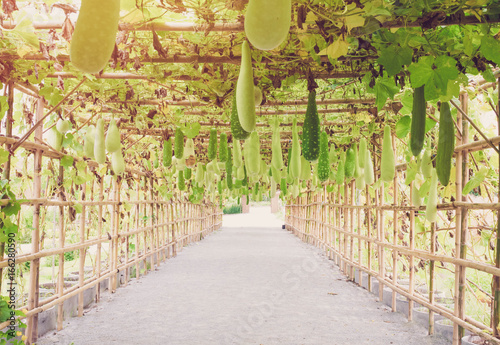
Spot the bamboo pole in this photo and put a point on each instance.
(81, 271)
(351, 228)
(369, 234)
(62, 236)
(100, 180)
(432, 287)
(495, 307)
(34, 279)
(411, 265)
(137, 217)
(381, 239)
(395, 224)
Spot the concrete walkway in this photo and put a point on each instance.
(250, 283)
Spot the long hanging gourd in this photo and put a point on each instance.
(223, 147)
(426, 165)
(358, 172)
(117, 162)
(88, 145)
(311, 130)
(179, 143)
(99, 149)
(277, 153)
(237, 160)
(245, 100)
(181, 185)
(94, 37)
(387, 162)
(418, 115)
(340, 176)
(189, 153)
(167, 153)
(431, 207)
(229, 169)
(369, 173)
(350, 164)
(212, 144)
(187, 173)
(267, 23)
(362, 152)
(56, 139)
(236, 130)
(113, 141)
(446, 144)
(294, 161)
(324, 158)
(252, 154)
(415, 195)
(305, 169)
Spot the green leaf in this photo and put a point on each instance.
(4, 106)
(12, 208)
(78, 208)
(476, 180)
(421, 72)
(384, 88)
(192, 130)
(79, 180)
(490, 49)
(66, 161)
(4, 155)
(394, 57)
(403, 127)
(429, 124)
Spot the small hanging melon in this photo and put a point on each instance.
(117, 162)
(113, 140)
(99, 147)
(88, 144)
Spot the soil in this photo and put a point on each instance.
(249, 283)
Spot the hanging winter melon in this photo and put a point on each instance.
(113, 140)
(94, 37)
(56, 139)
(431, 206)
(245, 98)
(257, 95)
(229, 169)
(99, 146)
(252, 154)
(349, 164)
(387, 162)
(267, 22)
(88, 145)
(167, 153)
(189, 153)
(369, 173)
(305, 169)
(63, 126)
(236, 130)
(117, 162)
(276, 154)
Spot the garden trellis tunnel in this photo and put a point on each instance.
(371, 127)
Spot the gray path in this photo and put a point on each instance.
(243, 285)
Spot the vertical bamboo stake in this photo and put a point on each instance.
(137, 225)
(495, 306)
(381, 238)
(99, 235)
(360, 253)
(6, 171)
(154, 237)
(369, 234)
(350, 274)
(432, 266)
(81, 269)
(459, 310)
(127, 241)
(395, 253)
(34, 279)
(174, 225)
(411, 258)
(62, 236)
(346, 222)
(115, 231)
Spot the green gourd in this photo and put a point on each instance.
(277, 153)
(236, 130)
(156, 163)
(229, 170)
(267, 22)
(369, 173)
(200, 174)
(245, 100)
(350, 164)
(189, 153)
(252, 154)
(446, 144)
(362, 152)
(212, 144)
(181, 185)
(431, 206)
(88, 145)
(56, 139)
(257, 95)
(167, 153)
(418, 115)
(415, 196)
(94, 37)
(179, 143)
(113, 141)
(294, 164)
(240, 172)
(187, 173)
(117, 162)
(283, 187)
(340, 175)
(305, 169)
(426, 165)
(358, 172)
(99, 149)
(237, 160)
(223, 147)
(311, 130)
(63, 126)
(324, 158)
(387, 162)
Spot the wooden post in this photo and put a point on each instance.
(137, 225)
(369, 234)
(395, 234)
(81, 270)
(62, 236)
(34, 279)
(174, 226)
(115, 230)
(432, 266)
(381, 238)
(411, 258)
(350, 274)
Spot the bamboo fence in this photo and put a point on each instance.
(124, 227)
(374, 235)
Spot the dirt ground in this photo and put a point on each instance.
(249, 283)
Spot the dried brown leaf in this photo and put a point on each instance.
(67, 29)
(66, 8)
(157, 45)
(9, 6)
